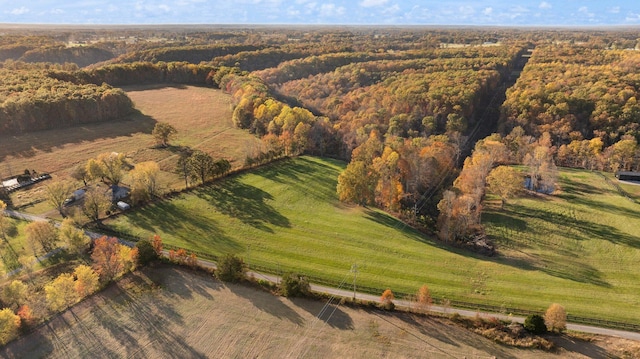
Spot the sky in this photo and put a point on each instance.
(328, 12)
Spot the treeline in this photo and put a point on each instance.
(143, 73)
(274, 56)
(191, 54)
(32, 100)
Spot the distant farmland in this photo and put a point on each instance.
(577, 248)
(201, 115)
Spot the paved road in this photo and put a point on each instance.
(347, 293)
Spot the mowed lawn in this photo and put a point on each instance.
(579, 249)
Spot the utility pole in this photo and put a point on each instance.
(249, 258)
(354, 270)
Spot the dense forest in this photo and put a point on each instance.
(406, 107)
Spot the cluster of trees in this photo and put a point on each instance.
(25, 303)
(396, 173)
(586, 98)
(31, 100)
(200, 166)
(43, 237)
(461, 206)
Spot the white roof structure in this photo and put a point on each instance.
(11, 182)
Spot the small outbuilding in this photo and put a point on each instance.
(628, 176)
(123, 206)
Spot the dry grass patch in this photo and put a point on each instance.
(172, 312)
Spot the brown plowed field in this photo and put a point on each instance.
(168, 312)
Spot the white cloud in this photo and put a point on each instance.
(632, 18)
(615, 10)
(164, 7)
(329, 10)
(57, 11)
(372, 3)
(545, 5)
(19, 11)
(391, 10)
(585, 11)
(466, 10)
(488, 11)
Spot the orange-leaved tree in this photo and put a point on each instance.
(424, 298)
(386, 300)
(106, 258)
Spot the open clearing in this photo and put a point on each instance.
(167, 312)
(576, 249)
(201, 115)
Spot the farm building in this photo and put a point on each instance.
(628, 176)
(118, 192)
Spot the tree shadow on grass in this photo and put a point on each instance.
(394, 223)
(327, 312)
(194, 228)
(266, 302)
(243, 202)
(303, 174)
(577, 228)
(568, 267)
(28, 144)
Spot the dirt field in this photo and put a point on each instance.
(167, 312)
(201, 115)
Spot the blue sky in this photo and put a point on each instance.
(380, 12)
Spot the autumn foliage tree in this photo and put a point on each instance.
(111, 259)
(57, 193)
(506, 182)
(41, 237)
(163, 133)
(144, 178)
(109, 166)
(386, 300)
(74, 238)
(87, 280)
(9, 325)
(61, 293)
(423, 299)
(15, 293)
(556, 318)
(95, 204)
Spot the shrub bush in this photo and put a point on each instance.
(146, 253)
(294, 285)
(534, 323)
(231, 268)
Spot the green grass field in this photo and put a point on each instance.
(579, 248)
